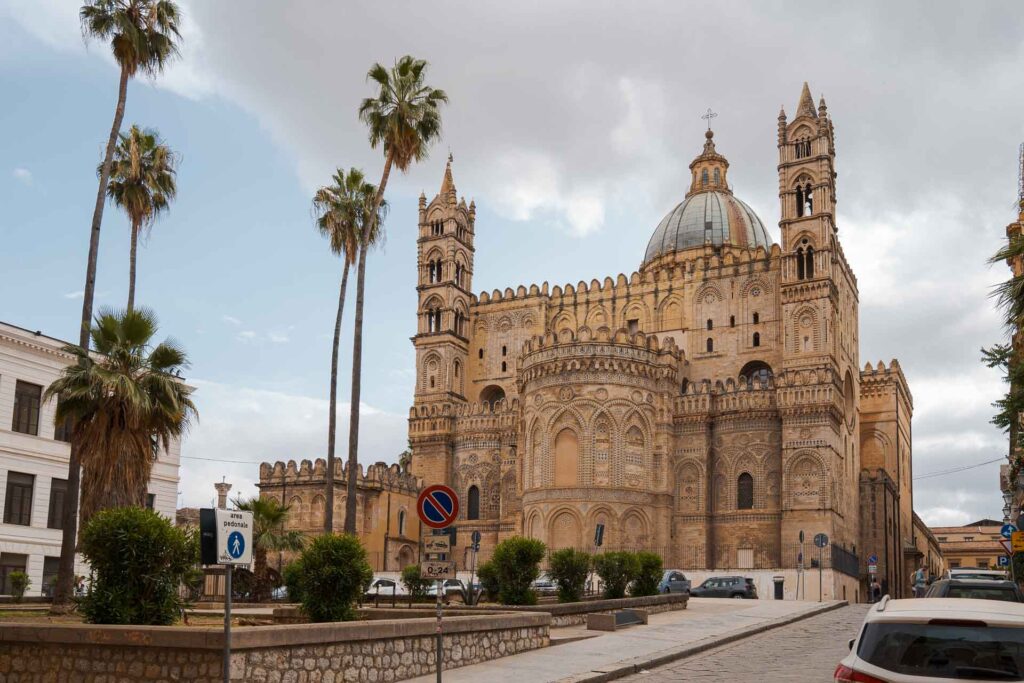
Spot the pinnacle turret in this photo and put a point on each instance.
(806, 105)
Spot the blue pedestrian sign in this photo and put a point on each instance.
(1003, 561)
(1007, 530)
(236, 544)
(234, 537)
(873, 559)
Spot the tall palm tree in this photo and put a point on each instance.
(123, 406)
(405, 119)
(142, 183)
(143, 36)
(268, 535)
(341, 209)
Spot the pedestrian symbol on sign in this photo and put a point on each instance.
(236, 544)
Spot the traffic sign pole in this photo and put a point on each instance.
(439, 643)
(227, 623)
(438, 507)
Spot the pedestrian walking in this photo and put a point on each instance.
(920, 579)
(876, 589)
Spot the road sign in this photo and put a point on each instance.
(873, 559)
(801, 535)
(1007, 530)
(474, 539)
(1007, 546)
(820, 540)
(1003, 561)
(437, 506)
(436, 571)
(436, 545)
(1017, 542)
(872, 569)
(234, 537)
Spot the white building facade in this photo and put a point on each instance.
(34, 455)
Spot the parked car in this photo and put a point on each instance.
(674, 581)
(981, 589)
(385, 587)
(726, 587)
(927, 639)
(544, 584)
(976, 573)
(451, 587)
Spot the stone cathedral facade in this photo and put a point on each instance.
(707, 406)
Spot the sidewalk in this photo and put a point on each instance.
(706, 623)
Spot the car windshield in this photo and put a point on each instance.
(984, 577)
(959, 651)
(983, 593)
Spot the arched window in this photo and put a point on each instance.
(757, 339)
(684, 386)
(718, 178)
(800, 263)
(480, 354)
(711, 325)
(710, 345)
(809, 199)
(799, 201)
(757, 318)
(504, 366)
(458, 274)
(492, 394)
(704, 178)
(473, 509)
(401, 522)
(732, 321)
(745, 492)
(756, 369)
(809, 269)
(504, 350)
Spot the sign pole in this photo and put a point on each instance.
(821, 552)
(440, 587)
(227, 622)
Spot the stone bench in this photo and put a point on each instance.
(613, 620)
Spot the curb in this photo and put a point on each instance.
(635, 666)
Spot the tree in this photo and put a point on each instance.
(333, 574)
(405, 119)
(648, 575)
(569, 568)
(414, 582)
(341, 210)
(141, 184)
(20, 583)
(268, 535)
(143, 36)
(517, 560)
(617, 570)
(123, 406)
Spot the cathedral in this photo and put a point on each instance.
(709, 407)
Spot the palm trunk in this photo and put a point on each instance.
(66, 572)
(332, 419)
(131, 265)
(357, 354)
(262, 588)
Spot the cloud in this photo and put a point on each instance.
(23, 175)
(80, 294)
(246, 336)
(231, 320)
(257, 425)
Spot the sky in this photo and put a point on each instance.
(572, 125)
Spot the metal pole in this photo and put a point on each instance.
(472, 577)
(821, 551)
(227, 624)
(440, 586)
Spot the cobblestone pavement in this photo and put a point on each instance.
(804, 652)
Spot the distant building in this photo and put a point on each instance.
(927, 551)
(34, 455)
(386, 519)
(971, 545)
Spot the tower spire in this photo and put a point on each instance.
(806, 106)
(448, 183)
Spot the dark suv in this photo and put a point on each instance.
(726, 587)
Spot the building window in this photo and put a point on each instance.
(504, 350)
(711, 325)
(757, 339)
(745, 492)
(150, 501)
(718, 177)
(401, 522)
(710, 345)
(10, 562)
(942, 539)
(954, 564)
(58, 492)
(633, 326)
(18, 503)
(981, 561)
(757, 318)
(732, 321)
(480, 354)
(51, 565)
(704, 178)
(756, 369)
(805, 261)
(62, 430)
(968, 538)
(504, 366)
(26, 407)
(473, 511)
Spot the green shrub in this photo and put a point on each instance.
(517, 560)
(569, 568)
(139, 561)
(414, 582)
(487, 574)
(649, 573)
(19, 584)
(333, 575)
(617, 570)
(292, 574)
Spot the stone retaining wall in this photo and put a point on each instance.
(575, 613)
(387, 650)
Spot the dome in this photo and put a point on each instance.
(712, 217)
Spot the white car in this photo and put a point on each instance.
(931, 639)
(385, 587)
(976, 573)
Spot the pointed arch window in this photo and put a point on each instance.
(473, 509)
(745, 492)
(401, 522)
(757, 339)
(809, 268)
(732, 321)
(711, 324)
(757, 318)
(805, 261)
(710, 345)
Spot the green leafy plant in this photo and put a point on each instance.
(333, 576)
(139, 561)
(648, 576)
(19, 584)
(569, 568)
(414, 582)
(487, 574)
(292, 575)
(517, 561)
(617, 570)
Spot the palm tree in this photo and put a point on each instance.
(341, 210)
(143, 36)
(405, 119)
(123, 405)
(268, 535)
(142, 184)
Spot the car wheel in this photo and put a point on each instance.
(738, 596)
